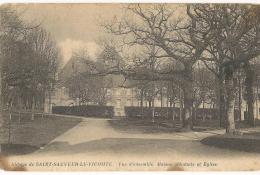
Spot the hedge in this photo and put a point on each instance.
(132, 112)
(160, 112)
(167, 112)
(85, 111)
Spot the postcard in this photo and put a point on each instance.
(129, 87)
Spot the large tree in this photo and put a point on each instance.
(11, 29)
(236, 41)
(181, 40)
(29, 61)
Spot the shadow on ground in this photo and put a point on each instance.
(169, 126)
(147, 126)
(17, 149)
(26, 136)
(132, 146)
(249, 142)
(142, 126)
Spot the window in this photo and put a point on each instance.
(117, 91)
(128, 91)
(128, 103)
(109, 92)
(66, 91)
(118, 103)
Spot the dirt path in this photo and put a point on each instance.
(94, 140)
(94, 129)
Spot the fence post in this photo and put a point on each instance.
(33, 108)
(19, 113)
(9, 127)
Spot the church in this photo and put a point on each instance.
(114, 91)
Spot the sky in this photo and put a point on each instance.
(73, 26)
(76, 26)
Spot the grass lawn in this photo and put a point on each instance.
(34, 133)
(162, 126)
(247, 142)
(143, 126)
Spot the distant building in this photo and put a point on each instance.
(121, 93)
(119, 97)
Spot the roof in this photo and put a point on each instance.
(114, 81)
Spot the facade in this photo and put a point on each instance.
(256, 106)
(121, 97)
(121, 93)
(59, 97)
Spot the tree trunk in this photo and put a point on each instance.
(50, 105)
(19, 107)
(142, 103)
(153, 111)
(187, 120)
(256, 99)
(230, 127)
(167, 103)
(10, 122)
(194, 114)
(173, 112)
(181, 105)
(150, 103)
(203, 110)
(161, 95)
(250, 94)
(1, 107)
(33, 107)
(188, 103)
(229, 88)
(188, 97)
(239, 99)
(221, 102)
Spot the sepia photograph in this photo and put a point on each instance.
(129, 87)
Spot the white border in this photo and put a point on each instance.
(136, 173)
(130, 173)
(132, 1)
